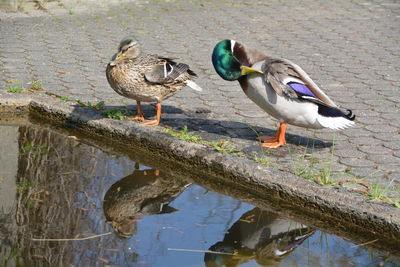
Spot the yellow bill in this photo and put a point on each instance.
(248, 70)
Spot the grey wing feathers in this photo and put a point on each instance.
(279, 71)
(276, 71)
(166, 72)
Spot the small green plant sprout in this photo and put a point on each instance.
(301, 166)
(64, 98)
(35, 149)
(36, 85)
(184, 135)
(15, 89)
(251, 127)
(324, 177)
(377, 192)
(98, 106)
(116, 114)
(24, 187)
(223, 146)
(263, 159)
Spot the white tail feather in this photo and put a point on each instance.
(194, 85)
(335, 123)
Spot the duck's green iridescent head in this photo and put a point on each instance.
(225, 63)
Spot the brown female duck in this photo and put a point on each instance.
(146, 78)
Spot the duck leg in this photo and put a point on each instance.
(276, 141)
(139, 115)
(158, 117)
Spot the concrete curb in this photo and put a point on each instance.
(350, 213)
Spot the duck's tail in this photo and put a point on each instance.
(334, 118)
(194, 85)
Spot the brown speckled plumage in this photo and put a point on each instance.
(146, 78)
(128, 79)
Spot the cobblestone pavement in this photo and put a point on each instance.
(350, 48)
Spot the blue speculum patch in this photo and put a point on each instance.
(301, 88)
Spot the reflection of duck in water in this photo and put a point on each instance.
(259, 235)
(144, 192)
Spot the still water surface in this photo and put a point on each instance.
(55, 186)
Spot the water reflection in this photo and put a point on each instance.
(57, 186)
(260, 235)
(144, 192)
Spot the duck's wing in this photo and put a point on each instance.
(287, 78)
(167, 71)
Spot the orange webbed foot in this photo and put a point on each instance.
(273, 144)
(138, 117)
(276, 141)
(268, 139)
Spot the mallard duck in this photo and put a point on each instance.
(146, 78)
(142, 193)
(258, 235)
(279, 87)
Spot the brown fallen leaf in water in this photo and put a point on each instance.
(112, 249)
(37, 200)
(51, 94)
(62, 72)
(37, 256)
(34, 91)
(103, 260)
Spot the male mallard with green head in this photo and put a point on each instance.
(279, 87)
(146, 78)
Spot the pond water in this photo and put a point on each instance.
(111, 210)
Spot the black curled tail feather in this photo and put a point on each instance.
(328, 111)
(350, 115)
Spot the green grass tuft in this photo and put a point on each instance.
(15, 89)
(377, 192)
(117, 114)
(97, 106)
(184, 135)
(223, 146)
(264, 159)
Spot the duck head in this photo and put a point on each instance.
(232, 60)
(129, 48)
(225, 60)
